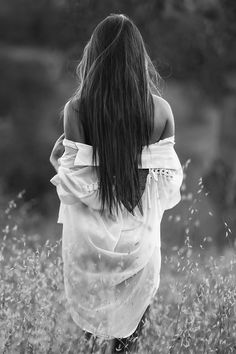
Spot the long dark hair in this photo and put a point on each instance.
(116, 108)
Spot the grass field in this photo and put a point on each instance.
(194, 310)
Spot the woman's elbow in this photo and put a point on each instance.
(54, 161)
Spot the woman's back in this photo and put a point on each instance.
(163, 128)
(163, 121)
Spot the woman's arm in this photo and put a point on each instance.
(72, 124)
(57, 152)
(73, 130)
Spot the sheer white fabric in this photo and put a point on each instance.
(112, 265)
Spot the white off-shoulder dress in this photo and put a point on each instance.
(112, 265)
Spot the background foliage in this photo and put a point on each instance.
(192, 44)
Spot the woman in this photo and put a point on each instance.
(118, 174)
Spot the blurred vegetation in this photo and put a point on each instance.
(192, 40)
(192, 43)
(193, 311)
(193, 46)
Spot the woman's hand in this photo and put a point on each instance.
(57, 152)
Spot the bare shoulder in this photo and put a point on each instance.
(164, 114)
(72, 125)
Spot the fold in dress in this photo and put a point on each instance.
(111, 265)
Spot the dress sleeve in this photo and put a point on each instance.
(170, 182)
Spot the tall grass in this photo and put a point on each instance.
(194, 310)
